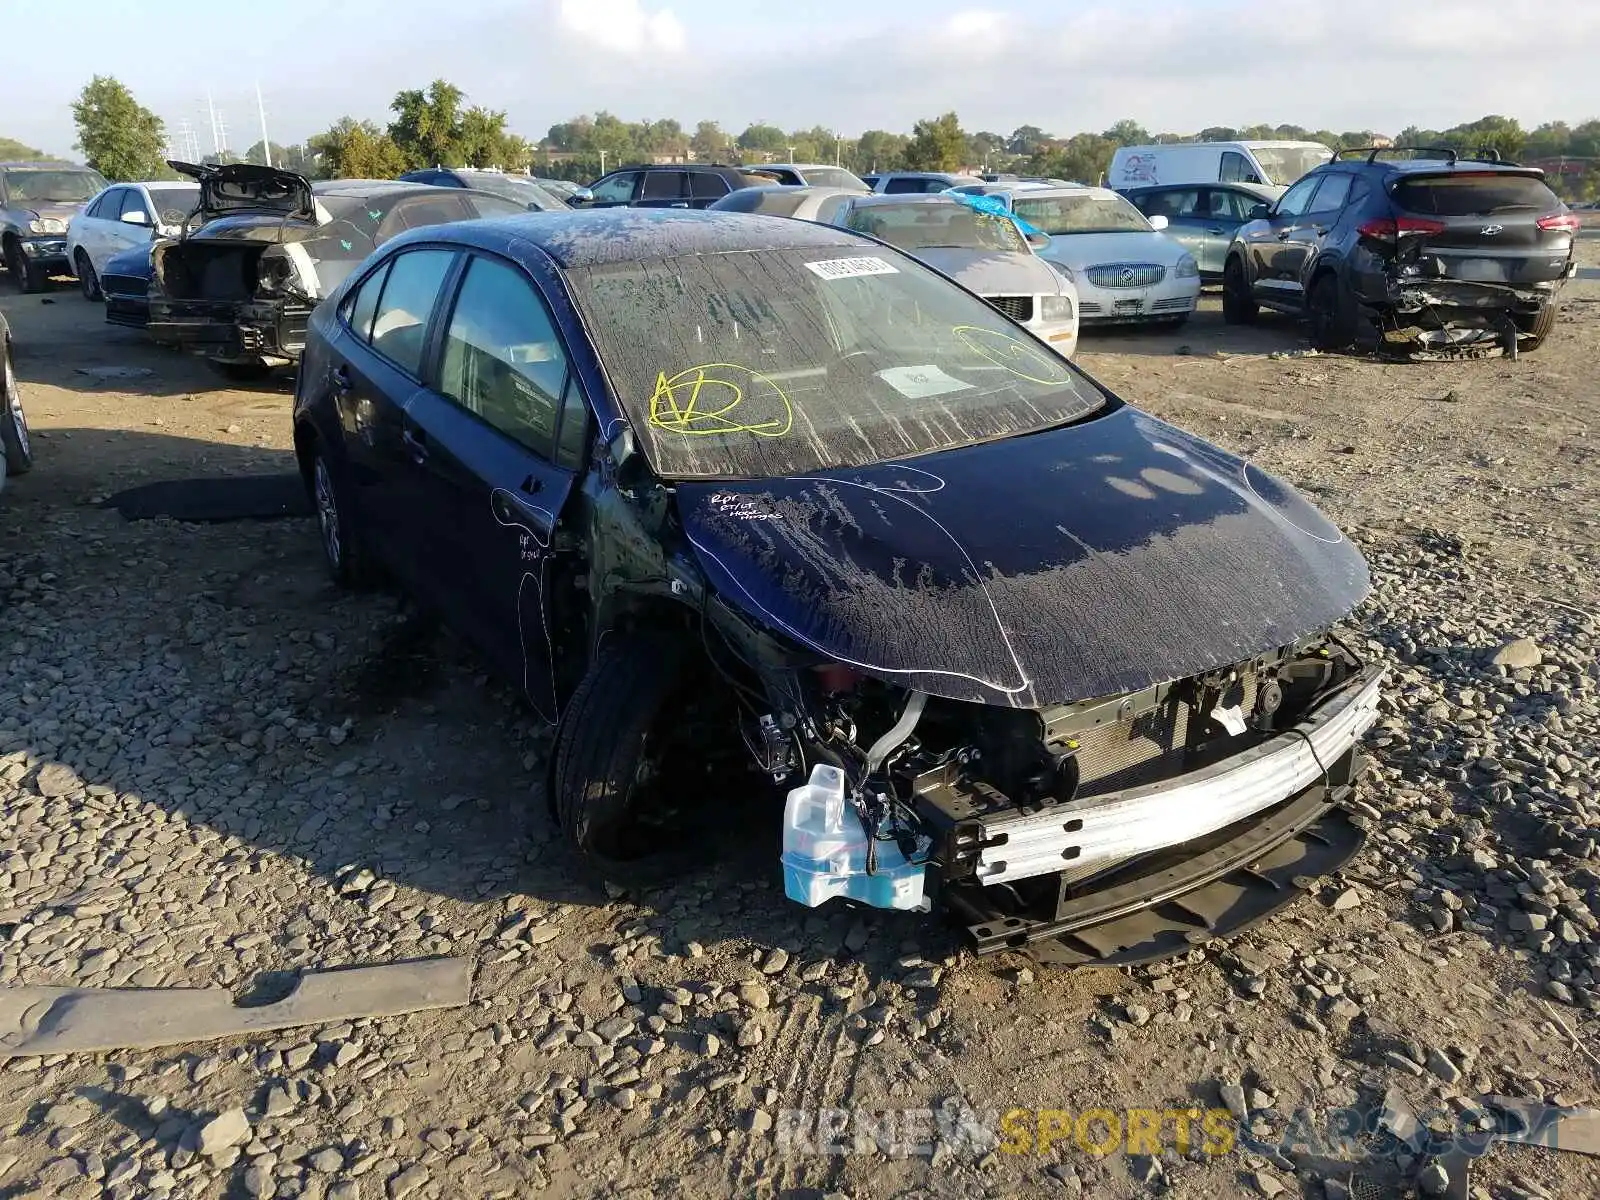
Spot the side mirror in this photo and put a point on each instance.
(135, 218)
(1158, 222)
(630, 466)
(1260, 212)
(582, 196)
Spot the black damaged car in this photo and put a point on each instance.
(262, 249)
(746, 504)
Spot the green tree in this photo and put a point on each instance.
(119, 137)
(1218, 133)
(354, 149)
(1127, 132)
(709, 143)
(14, 151)
(937, 144)
(879, 150)
(1502, 134)
(1084, 157)
(1027, 140)
(618, 138)
(427, 125)
(767, 138)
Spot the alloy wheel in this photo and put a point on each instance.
(328, 514)
(13, 402)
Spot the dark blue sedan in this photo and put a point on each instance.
(740, 502)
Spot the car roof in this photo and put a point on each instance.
(372, 187)
(590, 237)
(880, 200)
(1437, 166)
(44, 164)
(1049, 191)
(160, 185)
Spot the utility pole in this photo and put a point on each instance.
(261, 110)
(602, 162)
(791, 153)
(216, 138)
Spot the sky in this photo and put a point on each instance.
(1171, 65)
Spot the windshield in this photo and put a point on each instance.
(1285, 164)
(782, 362)
(834, 177)
(1090, 212)
(951, 226)
(524, 191)
(53, 187)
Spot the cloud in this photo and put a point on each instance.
(621, 26)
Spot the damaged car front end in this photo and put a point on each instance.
(268, 246)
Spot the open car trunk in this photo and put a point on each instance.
(201, 270)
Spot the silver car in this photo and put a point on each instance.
(1203, 217)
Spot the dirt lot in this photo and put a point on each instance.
(242, 741)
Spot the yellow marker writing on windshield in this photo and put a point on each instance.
(700, 401)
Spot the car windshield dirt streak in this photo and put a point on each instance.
(752, 365)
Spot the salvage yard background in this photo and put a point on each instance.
(254, 775)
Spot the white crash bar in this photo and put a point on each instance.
(1160, 815)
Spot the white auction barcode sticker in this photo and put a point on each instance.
(851, 268)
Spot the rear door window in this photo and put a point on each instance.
(502, 359)
(663, 185)
(1474, 194)
(707, 186)
(400, 326)
(1228, 205)
(1335, 190)
(904, 186)
(1185, 203)
(363, 303)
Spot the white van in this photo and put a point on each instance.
(1274, 164)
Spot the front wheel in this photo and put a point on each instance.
(24, 275)
(632, 781)
(87, 279)
(1536, 327)
(18, 450)
(1238, 305)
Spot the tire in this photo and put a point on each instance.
(1238, 306)
(1537, 327)
(237, 372)
(1331, 312)
(343, 554)
(88, 281)
(615, 761)
(13, 421)
(25, 277)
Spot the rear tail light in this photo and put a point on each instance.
(1388, 229)
(1561, 223)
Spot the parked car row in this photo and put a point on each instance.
(721, 494)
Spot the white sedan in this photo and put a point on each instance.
(1126, 269)
(123, 216)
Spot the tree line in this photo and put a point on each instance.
(436, 126)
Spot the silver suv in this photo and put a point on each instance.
(37, 199)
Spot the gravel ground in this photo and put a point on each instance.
(215, 770)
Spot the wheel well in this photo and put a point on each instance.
(305, 444)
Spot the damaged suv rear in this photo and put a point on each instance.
(1436, 253)
(789, 532)
(265, 245)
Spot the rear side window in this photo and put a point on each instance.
(1470, 195)
(106, 207)
(400, 328)
(662, 185)
(502, 359)
(1335, 190)
(364, 302)
(904, 186)
(707, 186)
(1170, 204)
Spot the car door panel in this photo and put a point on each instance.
(1275, 257)
(1304, 243)
(484, 439)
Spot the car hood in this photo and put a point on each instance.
(1091, 249)
(245, 187)
(1086, 561)
(49, 210)
(993, 272)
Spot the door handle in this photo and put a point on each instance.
(416, 441)
(1322, 230)
(1217, 230)
(339, 379)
